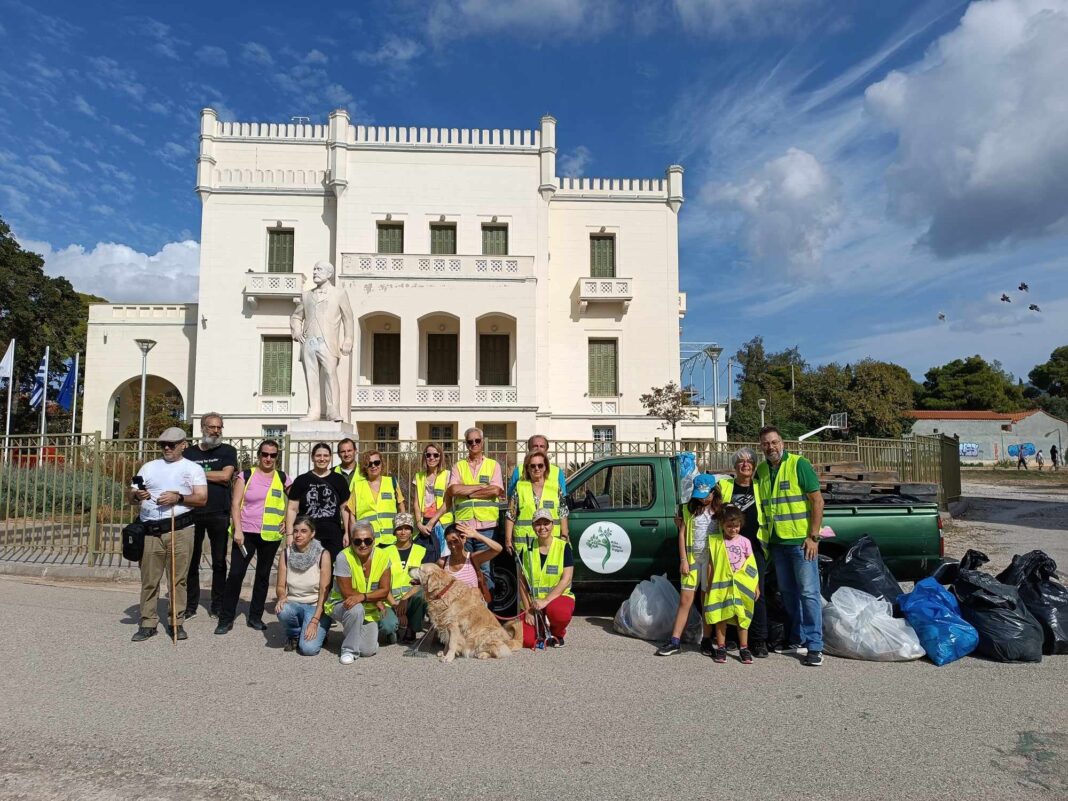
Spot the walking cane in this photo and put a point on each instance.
(174, 611)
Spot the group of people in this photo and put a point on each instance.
(1040, 460)
(347, 539)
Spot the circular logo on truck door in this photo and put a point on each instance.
(604, 547)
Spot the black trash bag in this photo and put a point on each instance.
(1007, 631)
(973, 559)
(862, 568)
(777, 618)
(1035, 576)
(947, 572)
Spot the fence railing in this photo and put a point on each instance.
(66, 493)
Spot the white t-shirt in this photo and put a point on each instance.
(701, 523)
(162, 476)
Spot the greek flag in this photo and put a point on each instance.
(39, 382)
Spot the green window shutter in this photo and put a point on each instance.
(443, 240)
(494, 240)
(441, 364)
(279, 251)
(385, 367)
(602, 257)
(602, 368)
(390, 238)
(493, 361)
(277, 366)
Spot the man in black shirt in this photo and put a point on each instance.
(321, 495)
(219, 462)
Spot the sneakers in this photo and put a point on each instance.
(794, 650)
(190, 613)
(555, 642)
(347, 657)
(706, 646)
(291, 644)
(181, 633)
(224, 628)
(760, 650)
(813, 659)
(745, 656)
(719, 655)
(670, 648)
(259, 625)
(143, 633)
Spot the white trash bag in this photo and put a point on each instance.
(649, 613)
(858, 625)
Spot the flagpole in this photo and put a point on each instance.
(44, 395)
(7, 418)
(74, 408)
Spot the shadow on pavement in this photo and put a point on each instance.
(1050, 515)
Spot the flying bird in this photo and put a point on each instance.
(1005, 298)
(1024, 287)
(941, 317)
(1034, 307)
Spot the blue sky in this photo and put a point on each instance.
(853, 170)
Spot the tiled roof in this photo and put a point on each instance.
(952, 414)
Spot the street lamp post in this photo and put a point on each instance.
(762, 403)
(713, 352)
(145, 345)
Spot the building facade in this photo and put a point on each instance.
(486, 290)
(991, 437)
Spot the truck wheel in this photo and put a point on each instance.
(505, 592)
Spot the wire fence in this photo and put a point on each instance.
(65, 494)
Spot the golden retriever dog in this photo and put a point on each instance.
(464, 624)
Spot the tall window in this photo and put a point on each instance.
(385, 437)
(603, 370)
(493, 360)
(273, 432)
(602, 256)
(494, 240)
(443, 239)
(385, 366)
(444, 434)
(441, 359)
(279, 251)
(391, 237)
(277, 373)
(604, 438)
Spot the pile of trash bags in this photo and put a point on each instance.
(862, 568)
(934, 615)
(858, 625)
(1034, 575)
(649, 613)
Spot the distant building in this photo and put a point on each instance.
(994, 436)
(487, 289)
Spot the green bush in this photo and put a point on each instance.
(52, 490)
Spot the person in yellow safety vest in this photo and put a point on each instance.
(696, 521)
(349, 469)
(257, 514)
(549, 568)
(533, 492)
(733, 584)
(362, 587)
(742, 492)
(377, 498)
(407, 603)
(793, 511)
(475, 486)
(539, 443)
(430, 509)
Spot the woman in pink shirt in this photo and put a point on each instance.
(459, 562)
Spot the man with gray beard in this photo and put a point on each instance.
(219, 462)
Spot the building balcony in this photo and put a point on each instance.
(381, 395)
(605, 290)
(260, 286)
(422, 265)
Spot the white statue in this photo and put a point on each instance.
(323, 325)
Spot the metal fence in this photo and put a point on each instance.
(65, 494)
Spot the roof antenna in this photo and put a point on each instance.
(300, 120)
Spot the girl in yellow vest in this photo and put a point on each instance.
(361, 588)
(377, 498)
(733, 584)
(534, 491)
(549, 566)
(407, 603)
(432, 512)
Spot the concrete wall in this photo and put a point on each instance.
(993, 438)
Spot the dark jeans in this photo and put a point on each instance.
(474, 546)
(758, 629)
(217, 527)
(264, 553)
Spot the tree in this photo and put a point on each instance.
(670, 403)
(972, 384)
(162, 411)
(1052, 377)
(879, 399)
(767, 376)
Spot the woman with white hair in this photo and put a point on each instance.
(741, 491)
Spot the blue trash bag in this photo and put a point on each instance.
(686, 463)
(935, 615)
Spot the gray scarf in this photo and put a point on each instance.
(299, 562)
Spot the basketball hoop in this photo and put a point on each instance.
(838, 422)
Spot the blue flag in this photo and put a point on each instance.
(65, 398)
(39, 383)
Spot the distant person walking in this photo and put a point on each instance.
(1021, 459)
(1040, 460)
(1054, 457)
(220, 463)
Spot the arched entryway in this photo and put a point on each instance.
(164, 405)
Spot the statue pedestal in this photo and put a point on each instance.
(320, 431)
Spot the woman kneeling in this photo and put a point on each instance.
(549, 568)
(303, 583)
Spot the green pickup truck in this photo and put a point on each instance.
(623, 525)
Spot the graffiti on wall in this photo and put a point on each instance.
(1026, 448)
(969, 449)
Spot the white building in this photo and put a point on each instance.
(486, 289)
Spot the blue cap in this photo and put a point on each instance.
(703, 485)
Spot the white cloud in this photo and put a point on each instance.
(452, 19)
(107, 73)
(316, 57)
(82, 105)
(395, 51)
(212, 56)
(313, 89)
(48, 163)
(126, 133)
(788, 209)
(574, 163)
(746, 17)
(982, 154)
(120, 273)
(256, 53)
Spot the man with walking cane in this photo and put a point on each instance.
(167, 489)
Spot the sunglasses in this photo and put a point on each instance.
(169, 446)
(432, 455)
(265, 455)
(474, 442)
(364, 541)
(375, 463)
(537, 467)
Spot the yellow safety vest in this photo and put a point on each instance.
(380, 511)
(356, 476)
(479, 509)
(523, 535)
(545, 575)
(726, 489)
(380, 560)
(400, 581)
(441, 482)
(274, 508)
(731, 593)
(785, 504)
